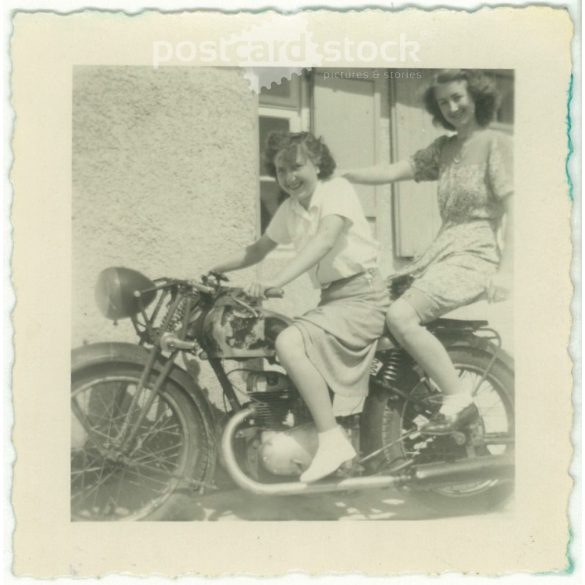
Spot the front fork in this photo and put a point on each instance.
(130, 427)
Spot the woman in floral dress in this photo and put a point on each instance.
(473, 168)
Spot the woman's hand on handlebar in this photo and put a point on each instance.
(263, 290)
(257, 289)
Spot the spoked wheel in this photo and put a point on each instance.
(393, 423)
(112, 481)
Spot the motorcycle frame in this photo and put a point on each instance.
(161, 356)
(465, 333)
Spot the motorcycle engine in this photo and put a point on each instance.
(288, 452)
(276, 401)
(285, 438)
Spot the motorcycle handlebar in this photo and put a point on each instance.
(202, 287)
(274, 293)
(269, 293)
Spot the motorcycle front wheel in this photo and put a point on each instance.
(148, 478)
(391, 422)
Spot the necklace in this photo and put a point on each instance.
(462, 146)
(461, 151)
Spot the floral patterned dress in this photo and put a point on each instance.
(472, 186)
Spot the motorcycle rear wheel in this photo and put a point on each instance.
(389, 420)
(168, 458)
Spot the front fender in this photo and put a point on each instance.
(97, 354)
(101, 353)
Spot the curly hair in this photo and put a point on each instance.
(291, 142)
(481, 88)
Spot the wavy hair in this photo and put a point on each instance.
(291, 143)
(481, 88)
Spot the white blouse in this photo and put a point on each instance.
(355, 250)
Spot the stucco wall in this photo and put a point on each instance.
(165, 180)
(164, 176)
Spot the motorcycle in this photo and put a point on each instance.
(144, 432)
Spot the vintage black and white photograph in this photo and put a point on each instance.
(369, 343)
(292, 283)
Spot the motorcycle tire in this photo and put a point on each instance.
(169, 459)
(387, 420)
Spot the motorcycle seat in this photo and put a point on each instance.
(387, 341)
(459, 324)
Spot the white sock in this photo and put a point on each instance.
(453, 403)
(331, 437)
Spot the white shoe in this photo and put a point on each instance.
(334, 450)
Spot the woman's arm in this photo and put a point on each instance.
(330, 228)
(380, 174)
(249, 256)
(500, 284)
(315, 249)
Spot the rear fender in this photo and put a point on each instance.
(465, 339)
(469, 339)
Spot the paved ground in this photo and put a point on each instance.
(364, 505)
(230, 503)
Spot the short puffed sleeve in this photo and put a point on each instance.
(277, 229)
(501, 165)
(338, 197)
(425, 162)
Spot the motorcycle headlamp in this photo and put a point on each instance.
(115, 292)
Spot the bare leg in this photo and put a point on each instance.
(457, 409)
(291, 353)
(423, 346)
(334, 447)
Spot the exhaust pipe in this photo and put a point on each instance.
(474, 469)
(498, 467)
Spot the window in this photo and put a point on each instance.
(284, 108)
(505, 115)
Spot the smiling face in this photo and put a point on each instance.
(455, 103)
(296, 174)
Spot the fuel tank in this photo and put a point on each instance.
(235, 330)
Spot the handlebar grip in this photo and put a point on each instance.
(274, 293)
(201, 287)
